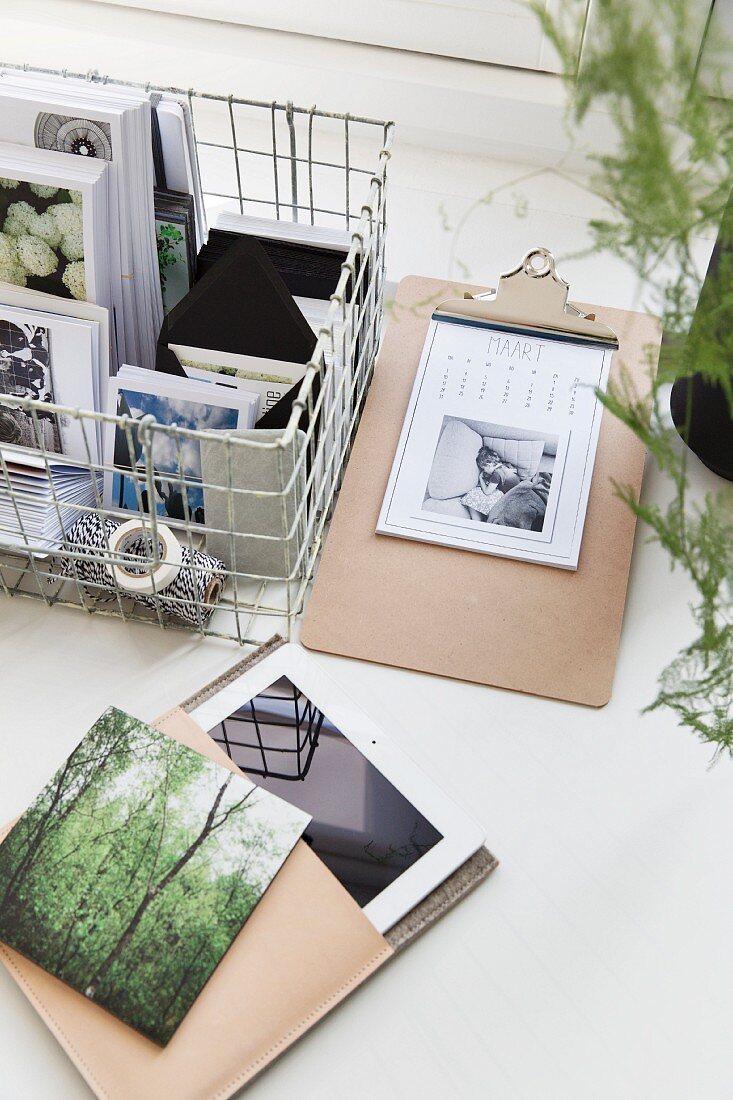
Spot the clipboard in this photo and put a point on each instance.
(540, 630)
(304, 949)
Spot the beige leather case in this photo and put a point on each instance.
(474, 617)
(306, 946)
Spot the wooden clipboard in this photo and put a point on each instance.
(540, 630)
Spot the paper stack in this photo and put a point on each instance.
(110, 124)
(272, 229)
(41, 498)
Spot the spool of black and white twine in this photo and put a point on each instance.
(191, 596)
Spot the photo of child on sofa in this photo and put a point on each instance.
(491, 473)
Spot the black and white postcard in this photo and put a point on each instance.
(497, 450)
(25, 371)
(54, 360)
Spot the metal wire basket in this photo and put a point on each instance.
(274, 735)
(269, 159)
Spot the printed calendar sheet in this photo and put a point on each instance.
(498, 445)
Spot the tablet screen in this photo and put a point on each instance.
(365, 831)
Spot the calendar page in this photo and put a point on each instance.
(497, 450)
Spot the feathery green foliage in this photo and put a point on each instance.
(667, 182)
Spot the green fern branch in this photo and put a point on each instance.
(667, 182)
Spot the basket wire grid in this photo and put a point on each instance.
(275, 735)
(270, 168)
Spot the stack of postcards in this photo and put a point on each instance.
(41, 498)
(88, 125)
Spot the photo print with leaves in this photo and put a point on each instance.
(25, 371)
(135, 869)
(175, 234)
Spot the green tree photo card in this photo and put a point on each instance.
(136, 867)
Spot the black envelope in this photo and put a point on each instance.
(306, 270)
(242, 306)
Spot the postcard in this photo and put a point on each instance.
(176, 458)
(54, 223)
(135, 869)
(497, 448)
(25, 371)
(43, 235)
(51, 359)
(175, 234)
(270, 378)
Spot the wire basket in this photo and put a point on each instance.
(274, 735)
(267, 159)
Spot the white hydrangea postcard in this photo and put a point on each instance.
(54, 229)
(42, 238)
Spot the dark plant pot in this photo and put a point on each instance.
(710, 431)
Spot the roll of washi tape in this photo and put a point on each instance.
(133, 541)
(192, 596)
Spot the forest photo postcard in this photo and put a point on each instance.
(135, 869)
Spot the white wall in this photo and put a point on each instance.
(439, 101)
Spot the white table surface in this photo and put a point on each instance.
(596, 962)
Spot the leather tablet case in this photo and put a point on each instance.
(305, 947)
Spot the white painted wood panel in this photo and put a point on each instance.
(436, 101)
(500, 32)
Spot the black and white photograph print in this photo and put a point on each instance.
(363, 828)
(66, 134)
(25, 371)
(491, 473)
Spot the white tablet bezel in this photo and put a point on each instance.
(462, 835)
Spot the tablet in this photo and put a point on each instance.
(387, 832)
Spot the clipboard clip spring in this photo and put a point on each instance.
(533, 296)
